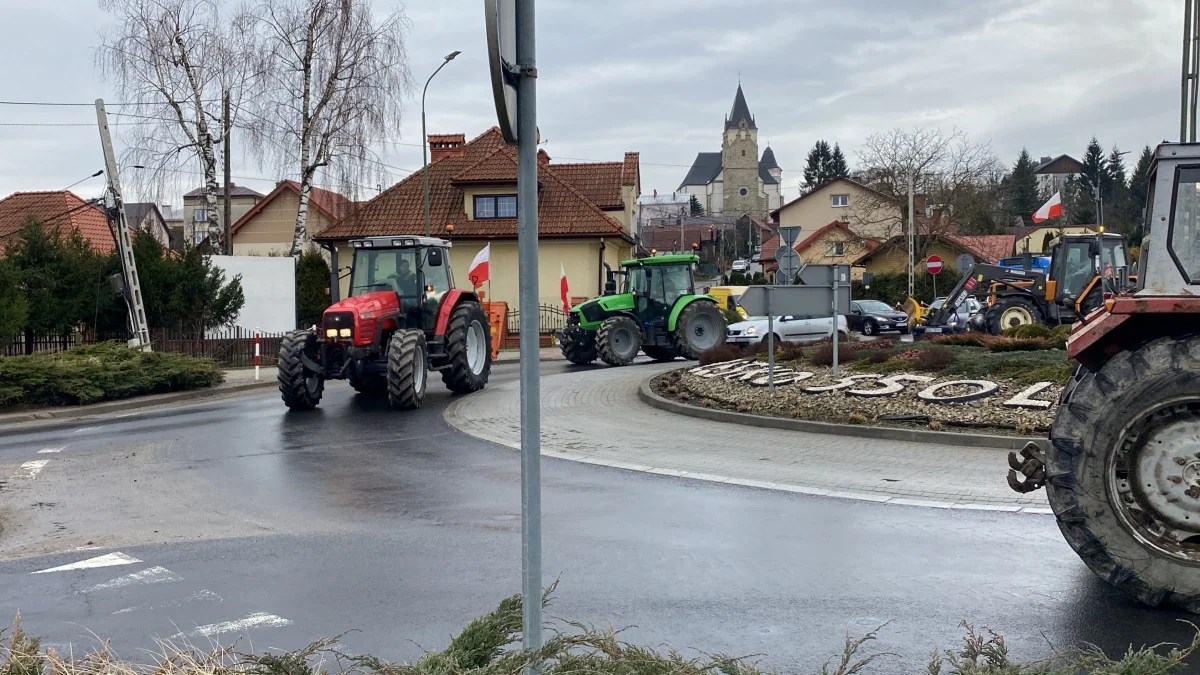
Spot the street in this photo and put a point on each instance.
(236, 517)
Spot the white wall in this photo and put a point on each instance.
(269, 285)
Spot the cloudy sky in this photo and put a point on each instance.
(658, 76)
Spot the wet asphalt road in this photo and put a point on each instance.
(401, 529)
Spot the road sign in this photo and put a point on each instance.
(813, 301)
(788, 235)
(789, 264)
(933, 264)
(963, 263)
(822, 275)
(500, 18)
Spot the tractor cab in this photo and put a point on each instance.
(1084, 268)
(656, 284)
(410, 274)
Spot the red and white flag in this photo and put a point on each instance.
(478, 272)
(1051, 209)
(562, 287)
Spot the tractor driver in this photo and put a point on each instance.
(406, 280)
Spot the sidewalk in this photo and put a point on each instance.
(544, 354)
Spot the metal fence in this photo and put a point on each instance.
(231, 347)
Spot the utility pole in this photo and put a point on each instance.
(911, 227)
(114, 205)
(228, 184)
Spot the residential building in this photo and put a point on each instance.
(173, 218)
(145, 216)
(656, 209)
(832, 244)
(736, 181)
(60, 209)
(269, 228)
(865, 211)
(587, 215)
(891, 256)
(1053, 172)
(1035, 239)
(195, 214)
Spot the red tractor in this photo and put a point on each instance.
(402, 319)
(1122, 472)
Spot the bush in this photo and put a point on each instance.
(312, 287)
(823, 355)
(731, 316)
(1012, 344)
(963, 339)
(102, 372)
(1063, 331)
(1029, 330)
(934, 358)
(721, 354)
(738, 279)
(878, 357)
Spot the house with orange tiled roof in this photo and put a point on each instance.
(587, 214)
(269, 226)
(891, 257)
(60, 209)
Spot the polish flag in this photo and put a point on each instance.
(562, 287)
(478, 271)
(1051, 209)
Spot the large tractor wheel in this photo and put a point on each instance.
(1010, 311)
(1123, 473)
(407, 368)
(699, 327)
(300, 387)
(661, 354)
(469, 349)
(618, 340)
(579, 348)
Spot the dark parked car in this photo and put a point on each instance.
(870, 317)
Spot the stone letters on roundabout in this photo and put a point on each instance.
(754, 373)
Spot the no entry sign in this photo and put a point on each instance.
(933, 264)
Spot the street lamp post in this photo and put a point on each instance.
(425, 140)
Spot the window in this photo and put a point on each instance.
(385, 269)
(836, 248)
(839, 201)
(635, 280)
(1185, 222)
(201, 216)
(438, 277)
(743, 153)
(743, 192)
(495, 206)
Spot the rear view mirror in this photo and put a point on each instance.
(1122, 278)
(434, 257)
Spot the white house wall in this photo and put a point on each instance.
(269, 285)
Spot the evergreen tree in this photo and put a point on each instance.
(695, 207)
(1095, 167)
(1079, 205)
(1139, 187)
(817, 166)
(1117, 205)
(312, 287)
(1022, 190)
(185, 292)
(14, 309)
(837, 164)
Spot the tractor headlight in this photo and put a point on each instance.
(344, 332)
(331, 332)
(751, 330)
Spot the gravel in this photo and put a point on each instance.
(835, 406)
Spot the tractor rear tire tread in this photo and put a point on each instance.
(604, 340)
(995, 311)
(406, 353)
(1094, 408)
(458, 378)
(683, 345)
(293, 384)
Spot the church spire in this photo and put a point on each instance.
(740, 111)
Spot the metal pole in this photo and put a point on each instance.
(835, 320)
(133, 287)
(228, 184)
(424, 163)
(531, 401)
(911, 226)
(1195, 71)
(770, 345)
(1185, 71)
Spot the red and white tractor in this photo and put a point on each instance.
(402, 319)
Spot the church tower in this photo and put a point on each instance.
(739, 161)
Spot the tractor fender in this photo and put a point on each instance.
(450, 300)
(683, 302)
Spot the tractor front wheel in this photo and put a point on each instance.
(469, 349)
(407, 369)
(699, 327)
(661, 354)
(1123, 473)
(1010, 311)
(300, 387)
(578, 346)
(618, 340)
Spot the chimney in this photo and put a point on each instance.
(543, 157)
(656, 193)
(446, 145)
(1045, 159)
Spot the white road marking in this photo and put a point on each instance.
(47, 451)
(88, 548)
(31, 469)
(203, 594)
(80, 431)
(106, 560)
(152, 575)
(257, 620)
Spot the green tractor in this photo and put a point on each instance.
(658, 313)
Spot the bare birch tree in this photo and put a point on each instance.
(171, 60)
(333, 80)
